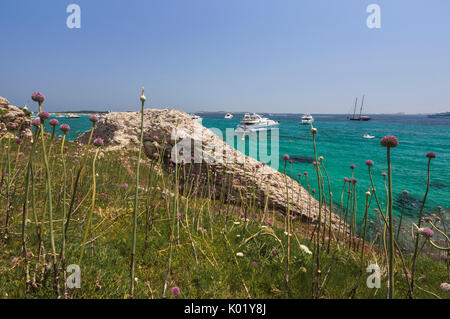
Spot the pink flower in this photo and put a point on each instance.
(93, 118)
(405, 192)
(65, 128)
(123, 186)
(175, 291)
(431, 155)
(286, 157)
(426, 232)
(352, 166)
(389, 141)
(369, 163)
(43, 115)
(38, 97)
(36, 122)
(98, 141)
(53, 122)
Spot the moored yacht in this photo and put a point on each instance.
(254, 122)
(307, 119)
(196, 118)
(72, 116)
(229, 116)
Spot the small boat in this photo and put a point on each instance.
(196, 118)
(72, 116)
(307, 119)
(368, 136)
(360, 117)
(229, 116)
(254, 122)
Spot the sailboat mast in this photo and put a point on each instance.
(354, 111)
(362, 103)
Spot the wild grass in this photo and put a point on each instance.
(187, 236)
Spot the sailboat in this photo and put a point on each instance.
(360, 117)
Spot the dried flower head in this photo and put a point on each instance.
(445, 287)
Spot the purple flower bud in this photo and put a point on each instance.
(123, 186)
(18, 141)
(426, 232)
(65, 128)
(98, 141)
(389, 141)
(175, 291)
(369, 163)
(36, 122)
(93, 118)
(43, 115)
(53, 122)
(286, 157)
(38, 97)
(352, 166)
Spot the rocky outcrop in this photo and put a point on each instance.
(13, 119)
(174, 136)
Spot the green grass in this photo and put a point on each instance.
(219, 273)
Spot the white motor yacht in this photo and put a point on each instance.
(197, 118)
(229, 116)
(255, 122)
(307, 119)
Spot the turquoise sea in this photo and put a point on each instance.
(341, 143)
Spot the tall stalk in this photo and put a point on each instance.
(44, 116)
(419, 222)
(133, 248)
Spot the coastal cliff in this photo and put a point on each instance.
(267, 185)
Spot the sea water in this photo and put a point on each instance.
(341, 143)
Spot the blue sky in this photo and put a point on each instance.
(234, 55)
